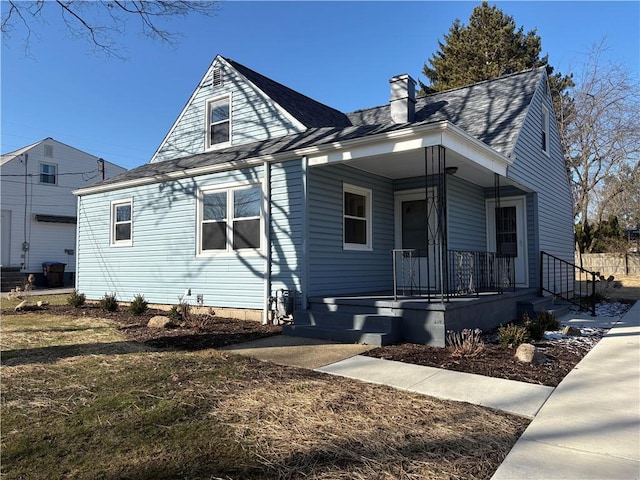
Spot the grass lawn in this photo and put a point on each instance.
(80, 401)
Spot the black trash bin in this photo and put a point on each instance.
(54, 273)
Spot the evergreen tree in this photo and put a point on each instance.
(489, 47)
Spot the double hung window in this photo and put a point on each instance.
(230, 219)
(219, 123)
(356, 218)
(48, 173)
(121, 223)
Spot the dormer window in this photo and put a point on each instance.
(219, 123)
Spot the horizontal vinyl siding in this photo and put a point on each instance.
(287, 225)
(253, 117)
(546, 175)
(333, 270)
(162, 263)
(466, 216)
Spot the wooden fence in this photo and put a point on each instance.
(611, 263)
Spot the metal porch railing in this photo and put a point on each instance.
(565, 280)
(461, 273)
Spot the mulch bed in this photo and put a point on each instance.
(494, 360)
(200, 332)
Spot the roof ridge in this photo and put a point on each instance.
(489, 80)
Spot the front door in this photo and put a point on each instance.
(6, 238)
(506, 234)
(415, 225)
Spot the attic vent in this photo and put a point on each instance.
(48, 151)
(217, 77)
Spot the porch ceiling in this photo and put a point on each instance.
(402, 154)
(412, 164)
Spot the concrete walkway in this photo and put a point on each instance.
(590, 426)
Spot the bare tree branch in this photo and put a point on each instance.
(101, 22)
(600, 130)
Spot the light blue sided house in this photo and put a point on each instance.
(397, 222)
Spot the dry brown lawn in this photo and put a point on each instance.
(80, 400)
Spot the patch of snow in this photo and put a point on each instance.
(614, 309)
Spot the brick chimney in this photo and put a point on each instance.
(403, 99)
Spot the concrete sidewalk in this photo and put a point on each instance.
(519, 398)
(590, 426)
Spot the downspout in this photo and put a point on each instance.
(75, 280)
(266, 210)
(304, 274)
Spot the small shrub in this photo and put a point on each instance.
(109, 303)
(174, 314)
(139, 305)
(180, 312)
(512, 335)
(548, 321)
(467, 343)
(535, 331)
(76, 299)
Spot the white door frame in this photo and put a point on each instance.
(521, 261)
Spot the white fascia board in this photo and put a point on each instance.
(441, 133)
(458, 140)
(192, 172)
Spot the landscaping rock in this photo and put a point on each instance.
(528, 353)
(21, 306)
(27, 306)
(160, 321)
(571, 331)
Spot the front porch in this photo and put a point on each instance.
(384, 318)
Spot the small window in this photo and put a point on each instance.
(231, 219)
(357, 218)
(545, 130)
(48, 173)
(121, 222)
(219, 123)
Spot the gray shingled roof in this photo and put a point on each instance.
(491, 111)
(308, 111)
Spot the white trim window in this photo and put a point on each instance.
(122, 223)
(48, 173)
(356, 215)
(230, 219)
(219, 122)
(545, 130)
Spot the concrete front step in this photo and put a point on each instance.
(368, 328)
(377, 339)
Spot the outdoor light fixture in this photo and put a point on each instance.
(451, 170)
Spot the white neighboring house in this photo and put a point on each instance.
(39, 212)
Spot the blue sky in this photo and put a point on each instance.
(339, 53)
